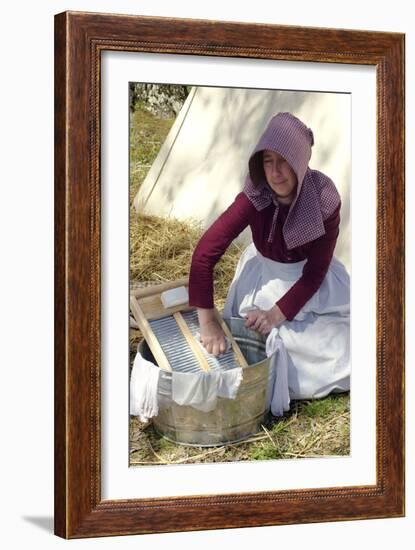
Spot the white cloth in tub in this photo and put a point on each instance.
(201, 390)
(198, 390)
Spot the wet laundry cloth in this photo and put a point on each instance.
(201, 390)
(228, 344)
(198, 390)
(143, 388)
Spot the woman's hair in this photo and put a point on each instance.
(256, 168)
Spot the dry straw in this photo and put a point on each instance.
(161, 250)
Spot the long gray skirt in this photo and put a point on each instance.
(317, 340)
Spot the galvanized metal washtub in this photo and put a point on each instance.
(233, 419)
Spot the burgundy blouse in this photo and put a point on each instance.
(232, 222)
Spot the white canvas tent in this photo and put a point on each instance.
(202, 164)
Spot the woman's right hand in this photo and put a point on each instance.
(212, 336)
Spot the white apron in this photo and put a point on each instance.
(317, 340)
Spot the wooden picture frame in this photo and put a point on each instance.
(79, 40)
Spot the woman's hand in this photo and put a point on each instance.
(212, 336)
(264, 321)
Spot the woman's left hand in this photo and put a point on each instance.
(264, 321)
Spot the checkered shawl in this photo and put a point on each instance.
(317, 196)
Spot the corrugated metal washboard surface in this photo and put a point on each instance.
(177, 350)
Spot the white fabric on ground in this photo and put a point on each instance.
(143, 388)
(317, 339)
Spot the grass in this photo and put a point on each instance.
(147, 134)
(160, 250)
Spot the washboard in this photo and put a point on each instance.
(171, 333)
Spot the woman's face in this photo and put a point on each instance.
(280, 176)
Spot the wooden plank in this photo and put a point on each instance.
(153, 308)
(149, 335)
(194, 346)
(155, 315)
(236, 349)
(158, 289)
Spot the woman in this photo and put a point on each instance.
(288, 277)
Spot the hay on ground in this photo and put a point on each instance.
(161, 250)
